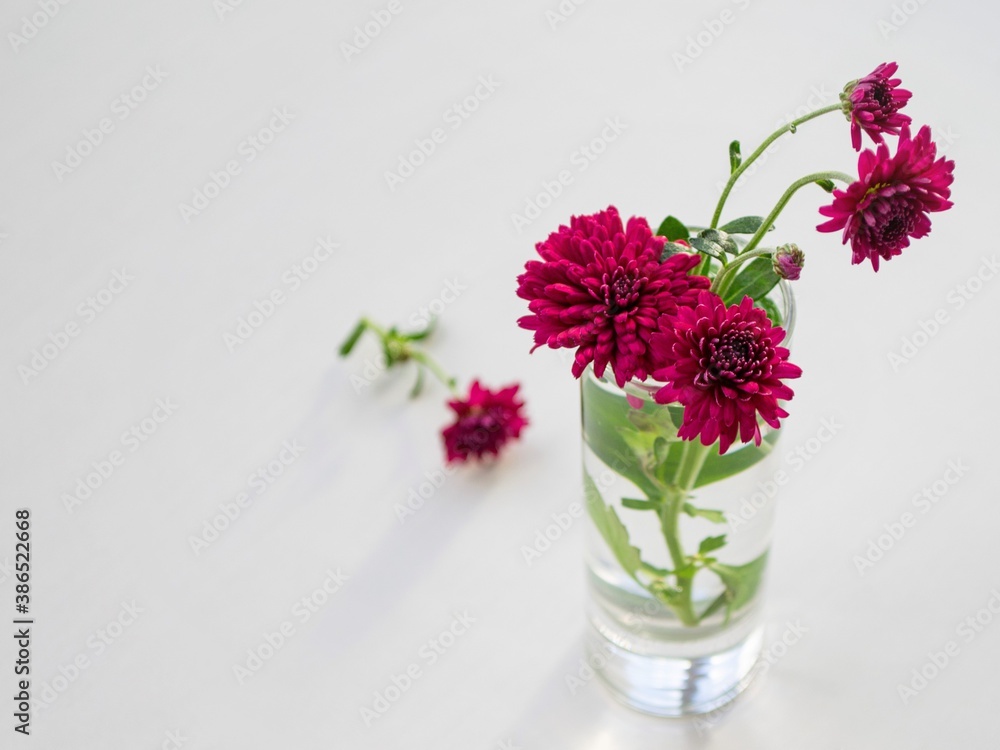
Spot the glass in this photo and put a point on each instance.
(677, 544)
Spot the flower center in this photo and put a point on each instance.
(881, 92)
(621, 291)
(732, 358)
(893, 227)
(480, 428)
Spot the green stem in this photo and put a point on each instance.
(374, 327)
(433, 367)
(681, 604)
(783, 201)
(725, 275)
(704, 267)
(789, 128)
(692, 459)
(669, 517)
(690, 466)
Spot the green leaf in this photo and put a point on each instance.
(352, 338)
(773, 313)
(707, 247)
(653, 570)
(423, 333)
(660, 449)
(741, 581)
(720, 238)
(735, 158)
(611, 529)
(718, 467)
(666, 471)
(715, 516)
(654, 419)
(652, 448)
(669, 595)
(656, 439)
(673, 229)
(672, 248)
(640, 442)
(711, 543)
(418, 384)
(687, 571)
(827, 185)
(755, 279)
(744, 225)
(634, 504)
(614, 439)
(714, 607)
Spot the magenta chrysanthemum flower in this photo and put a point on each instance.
(725, 366)
(601, 287)
(874, 103)
(484, 422)
(891, 199)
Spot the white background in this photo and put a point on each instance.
(503, 683)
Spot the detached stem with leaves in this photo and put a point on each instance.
(434, 368)
(398, 347)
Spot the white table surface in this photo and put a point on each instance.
(168, 670)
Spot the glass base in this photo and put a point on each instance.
(674, 686)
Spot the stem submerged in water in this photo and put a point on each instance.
(692, 459)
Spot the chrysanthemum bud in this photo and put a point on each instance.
(788, 261)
